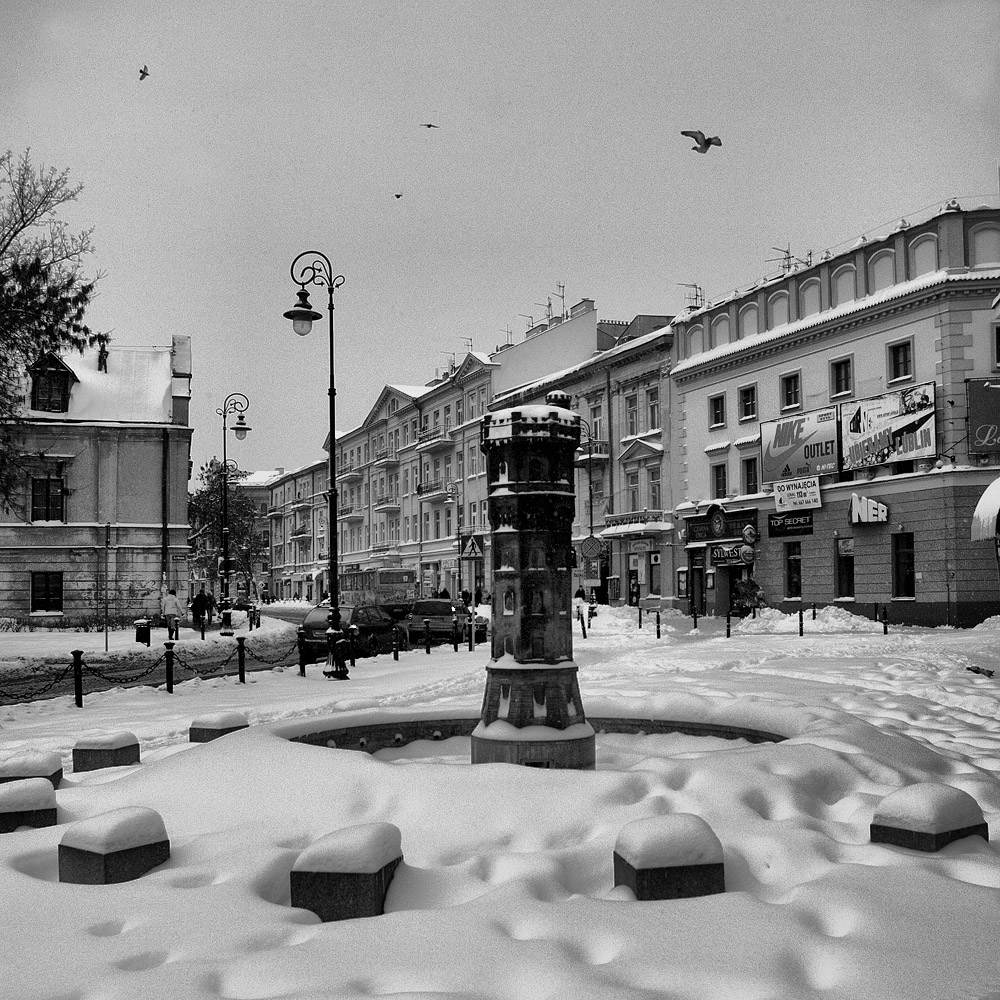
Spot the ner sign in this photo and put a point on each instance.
(866, 511)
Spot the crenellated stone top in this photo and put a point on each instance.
(549, 420)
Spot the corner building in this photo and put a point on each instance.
(833, 429)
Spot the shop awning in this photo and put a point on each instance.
(643, 528)
(984, 518)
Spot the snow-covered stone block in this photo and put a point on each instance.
(669, 857)
(27, 802)
(211, 727)
(115, 846)
(926, 816)
(118, 749)
(346, 874)
(32, 764)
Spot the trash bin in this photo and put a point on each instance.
(142, 630)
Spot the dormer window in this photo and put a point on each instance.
(51, 381)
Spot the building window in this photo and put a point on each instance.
(809, 298)
(473, 460)
(791, 391)
(900, 361)
(984, 246)
(50, 391)
(881, 271)
(777, 310)
(632, 414)
(793, 569)
(653, 484)
(653, 408)
(844, 567)
(632, 489)
(720, 481)
(923, 255)
(843, 287)
(46, 591)
(717, 411)
(840, 377)
(748, 321)
(903, 577)
(47, 499)
(748, 402)
(751, 478)
(596, 423)
(720, 331)
(996, 345)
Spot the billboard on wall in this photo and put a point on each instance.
(798, 446)
(894, 427)
(984, 415)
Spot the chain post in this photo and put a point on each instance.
(694, 615)
(454, 632)
(170, 666)
(729, 631)
(241, 657)
(583, 624)
(885, 619)
(78, 676)
(427, 635)
(395, 642)
(472, 632)
(302, 651)
(640, 616)
(814, 612)
(657, 624)
(800, 622)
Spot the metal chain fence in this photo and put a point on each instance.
(34, 693)
(269, 662)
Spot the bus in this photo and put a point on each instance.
(391, 587)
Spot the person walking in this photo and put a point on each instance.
(211, 607)
(173, 610)
(199, 607)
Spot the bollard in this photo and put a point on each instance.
(640, 616)
(170, 667)
(753, 612)
(694, 614)
(203, 627)
(454, 632)
(885, 619)
(591, 612)
(302, 652)
(472, 633)
(583, 624)
(352, 642)
(800, 621)
(427, 635)
(657, 624)
(241, 657)
(814, 612)
(395, 642)
(729, 633)
(78, 676)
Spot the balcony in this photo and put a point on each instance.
(299, 502)
(433, 489)
(385, 459)
(596, 451)
(350, 474)
(301, 530)
(434, 438)
(385, 548)
(350, 512)
(636, 522)
(387, 501)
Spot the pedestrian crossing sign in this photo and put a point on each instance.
(473, 548)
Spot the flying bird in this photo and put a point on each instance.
(143, 73)
(399, 196)
(702, 141)
(428, 125)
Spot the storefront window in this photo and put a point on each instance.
(793, 569)
(903, 578)
(844, 567)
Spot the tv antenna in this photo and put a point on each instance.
(467, 343)
(696, 297)
(451, 356)
(530, 319)
(508, 334)
(547, 306)
(787, 260)
(560, 294)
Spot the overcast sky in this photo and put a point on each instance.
(269, 128)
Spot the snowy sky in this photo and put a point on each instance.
(268, 128)
(506, 889)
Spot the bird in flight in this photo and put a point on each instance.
(702, 141)
(428, 125)
(399, 196)
(143, 73)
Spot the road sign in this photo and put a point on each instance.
(591, 547)
(473, 548)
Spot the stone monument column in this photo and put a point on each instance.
(532, 712)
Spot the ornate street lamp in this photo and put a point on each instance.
(235, 402)
(314, 268)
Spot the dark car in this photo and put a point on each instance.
(374, 629)
(441, 612)
(399, 609)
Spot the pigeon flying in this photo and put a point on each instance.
(143, 73)
(428, 125)
(702, 142)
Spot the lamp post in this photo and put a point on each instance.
(457, 496)
(591, 547)
(237, 403)
(314, 268)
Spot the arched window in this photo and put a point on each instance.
(984, 246)
(881, 270)
(720, 331)
(777, 310)
(923, 255)
(842, 285)
(748, 321)
(809, 297)
(696, 340)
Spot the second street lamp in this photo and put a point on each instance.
(314, 268)
(235, 402)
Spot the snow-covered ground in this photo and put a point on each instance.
(506, 889)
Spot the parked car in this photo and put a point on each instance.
(374, 629)
(399, 610)
(441, 612)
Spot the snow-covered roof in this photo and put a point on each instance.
(261, 478)
(410, 390)
(889, 294)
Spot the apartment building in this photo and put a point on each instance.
(297, 523)
(827, 423)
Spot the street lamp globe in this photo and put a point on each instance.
(241, 428)
(302, 314)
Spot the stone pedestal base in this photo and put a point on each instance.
(917, 840)
(676, 882)
(10, 821)
(205, 734)
(343, 895)
(572, 754)
(92, 868)
(55, 777)
(95, 758)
